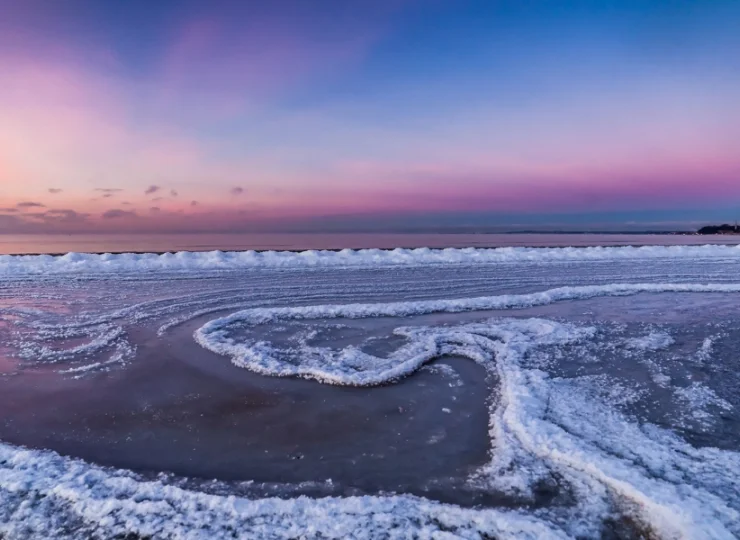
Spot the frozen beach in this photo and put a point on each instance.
(414, 393)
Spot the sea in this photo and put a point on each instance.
(565, 387)
(11, 244)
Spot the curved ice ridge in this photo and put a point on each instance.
(43, 495)
(538, 426)
(337, 368)
(22, 265)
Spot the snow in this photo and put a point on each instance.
(652, 342)
(46, 495)
(23, 265)
(340, 367)
(704, 353)
(656, 492)
(540, 427)
(699, 399)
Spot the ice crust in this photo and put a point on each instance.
(652, 342)
(338, 367)
(44, 495)
(541, 428)
(537, 426)
(22, 265)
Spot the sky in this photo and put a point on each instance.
(343, 115)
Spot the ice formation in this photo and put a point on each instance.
(543, 428)
(23, 265)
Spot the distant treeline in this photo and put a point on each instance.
(720, 229)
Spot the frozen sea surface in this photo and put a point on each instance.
(512, 393)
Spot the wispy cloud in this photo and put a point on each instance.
(29, 204)
(152, 189)
(55, 191)
(65, 216)
(49, 220)
(237, 190)
(117, 213)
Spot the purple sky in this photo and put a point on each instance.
(345, 115)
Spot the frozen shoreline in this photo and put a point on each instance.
(82, 263)
(566, 414)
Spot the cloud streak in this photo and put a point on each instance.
(117, 213)
(30, 204)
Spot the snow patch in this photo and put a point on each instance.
(652, 342)
(699, 399)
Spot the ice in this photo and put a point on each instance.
(45, 495)
(652, 342)
(700, 399)
(519, 431)
(704, 353)
(539, 427)
(340, 367)
(81, 263)
(574, 431)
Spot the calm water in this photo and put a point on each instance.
(111, 243)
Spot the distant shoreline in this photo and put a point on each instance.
(117, 245)
(720, 230)
(362, 233)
